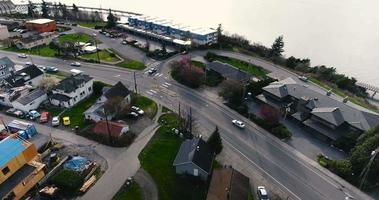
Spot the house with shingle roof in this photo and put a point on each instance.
(6, 67)
(30, 75)
(195, 158)
(30, 101)
(71, 90)
(324, 115)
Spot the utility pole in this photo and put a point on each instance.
(366, 170)
(108, 129)
(97, 52)
(190, 120)
(135, 82)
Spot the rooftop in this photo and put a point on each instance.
(10, 147)
(31, 97)
(72, 83)
(197, 152)
(6, 62)
(115, 128)
(15, 179)
(40, 21)
(23, 75)
(118, 90)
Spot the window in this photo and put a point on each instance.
(5, 170)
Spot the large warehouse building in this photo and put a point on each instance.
(199, 36)
(41, 25)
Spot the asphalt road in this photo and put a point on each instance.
(301, 177)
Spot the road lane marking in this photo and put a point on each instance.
(153, 91)
(148, 92)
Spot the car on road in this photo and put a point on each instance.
(22, 55)
(152, 70)
(33, 115)
(303, 78)
(238, 123)
(44, 117)
(52, 69)
(262, 193)
(137, 110)
(76, 64)
(55, 121)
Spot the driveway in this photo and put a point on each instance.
(147, 184)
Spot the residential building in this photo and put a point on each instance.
(35, 40)
(160, 27)
(30, 101)
(4, 33)
(195, 158)
(325, 117)
(8, 95)
(229, 71)
(30, 75)
(228, 184)
(6, 67)
(21, 168)
(41, 25)
(71, 90)
(7, 7)
(96, 111)
(116, 129)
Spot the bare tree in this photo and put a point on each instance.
(114, 106)
(47, 83)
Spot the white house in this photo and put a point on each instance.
(8, 95)
(96, 111)
(30, 101)
(72, 90)
(35, 40)
(4, 33)
(29, 75)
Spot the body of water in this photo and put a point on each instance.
(340, 34)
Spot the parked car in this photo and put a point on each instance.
(238, 123)
(66, 121)
(132, 115)
(52, 69)
(28, 64)
(16, 113)
(137, 110)
(55, 121)
(124, 42)
(303, 78)
(262, 193)
(33, 115)
(152, 70)
(76, 64)
(44, 117)
(22, 55)
(41, 67)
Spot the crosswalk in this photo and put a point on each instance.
(153, 92)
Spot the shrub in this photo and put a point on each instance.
(281, 132)
(346, 142)
(68, 181)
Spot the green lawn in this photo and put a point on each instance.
(104, 55)
(45, 51)
(132, 64)
(75, 37)
(147, 105)
(341, 93)
(92, 24)
(157, 158)
(243, 66)
(198, 64)
(132, 192)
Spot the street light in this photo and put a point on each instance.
(366, 170)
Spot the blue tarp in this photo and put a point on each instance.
(77, 163)
(9, 149)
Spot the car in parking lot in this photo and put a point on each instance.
(66, 121)
(55, 121)
(137, 110)
(52, 69)
(22, 55)
(132, 115)
(238, 123)
(76, 64)
(28, 64)
(262, 193)
(44, 117)
(41, 67)
(33, 115)
(16, 113)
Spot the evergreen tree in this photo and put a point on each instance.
(31, 8)
(277, 47)
(45, 9)
(75, 11)
(215, 141)
(111, 20)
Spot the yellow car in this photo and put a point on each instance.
(66, 121)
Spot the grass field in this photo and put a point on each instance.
(104, 55)
(132, 192)
(157, 158)
(132, 64)
(75, 37)
(147, 105)
(45, 51)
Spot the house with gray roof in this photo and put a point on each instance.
(30, 75)
(229, 71)
(30, 101)
(195, 158)
(6, 67)
(324, 115)
(71, 90)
